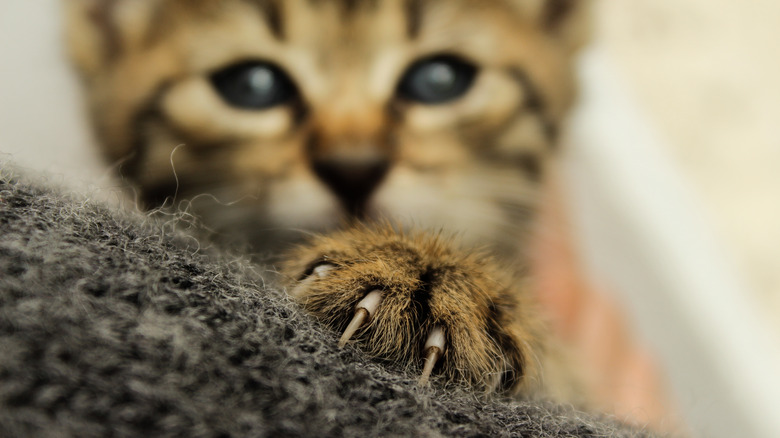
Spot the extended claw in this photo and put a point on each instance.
(364, 311)
(434, 347)
(318, 272)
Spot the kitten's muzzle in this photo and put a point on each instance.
(352, 177)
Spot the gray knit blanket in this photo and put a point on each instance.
(112, 325)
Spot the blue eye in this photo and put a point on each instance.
(437, 79)
(254, 85)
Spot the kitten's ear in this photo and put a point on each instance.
(568, 20)
(99, 31)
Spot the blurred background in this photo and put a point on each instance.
(706, 72)
(672, 177)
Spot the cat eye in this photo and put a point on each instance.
(254, 85)
(437, 79)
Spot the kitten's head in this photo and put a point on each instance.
(274, 115)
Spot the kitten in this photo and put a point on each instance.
(275, 117)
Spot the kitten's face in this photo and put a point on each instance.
(298, 114)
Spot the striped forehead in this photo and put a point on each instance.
(321, 21)
(278, 13)
(280, 16)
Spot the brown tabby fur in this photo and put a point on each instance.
(472, 167)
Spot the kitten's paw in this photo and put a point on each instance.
(415, 301)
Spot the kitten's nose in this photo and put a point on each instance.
(352, 176)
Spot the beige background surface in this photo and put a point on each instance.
(706, 72)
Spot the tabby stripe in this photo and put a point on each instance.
(348, 7)
(531, 165)
(271, 10)
(535, 104)
(102, 16)
(413, 11)
(528, 163)
(556, 11)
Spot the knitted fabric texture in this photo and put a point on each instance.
(111, 326)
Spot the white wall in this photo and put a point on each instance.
(41, 118)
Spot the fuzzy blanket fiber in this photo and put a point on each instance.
(111, 326)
